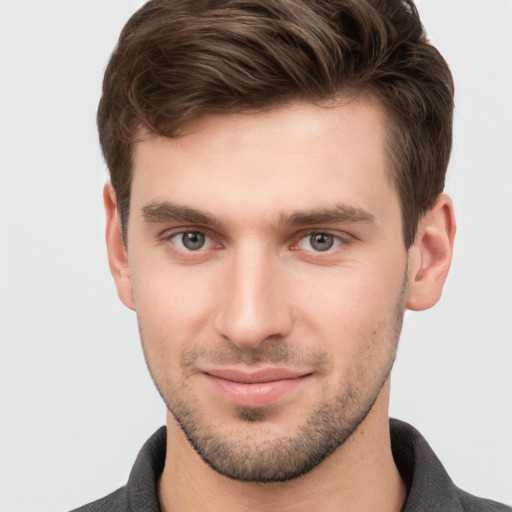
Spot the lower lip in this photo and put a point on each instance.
(260, 394)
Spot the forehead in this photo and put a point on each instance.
(299, 156)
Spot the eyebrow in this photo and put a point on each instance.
(339, 213)
(167, 212)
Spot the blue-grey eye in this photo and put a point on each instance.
(193, 240)
(321, 241)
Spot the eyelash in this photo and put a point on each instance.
(168, 238)
(338, 241)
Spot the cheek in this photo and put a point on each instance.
(172, 307)
(352, 308)
(352, 293)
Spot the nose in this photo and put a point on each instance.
(252, 303)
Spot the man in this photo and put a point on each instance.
(276, 203)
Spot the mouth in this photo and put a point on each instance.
(259, 388)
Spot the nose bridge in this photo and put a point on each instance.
(252, 307)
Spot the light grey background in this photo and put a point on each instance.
(76, 402)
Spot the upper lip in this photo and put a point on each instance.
(255, 376)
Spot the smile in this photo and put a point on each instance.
(255, 389)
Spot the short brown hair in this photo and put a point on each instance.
(180, 59)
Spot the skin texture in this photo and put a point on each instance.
(268, 271)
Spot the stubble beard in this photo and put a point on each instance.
(240, 455)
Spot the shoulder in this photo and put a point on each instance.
(470, 503)
(141, 491)
(429, 486)
(114, 502)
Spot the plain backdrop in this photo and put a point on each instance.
(76, 402)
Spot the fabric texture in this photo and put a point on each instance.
(430, 489)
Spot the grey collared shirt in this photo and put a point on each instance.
(430, 489)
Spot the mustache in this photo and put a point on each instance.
(270, 351)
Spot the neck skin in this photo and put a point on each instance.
(360, 475)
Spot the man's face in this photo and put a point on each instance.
(268, 273)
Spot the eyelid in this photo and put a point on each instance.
(342, 238)
(214, 240)
(210, 241)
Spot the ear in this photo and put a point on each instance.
(431, 255)
(117, 254)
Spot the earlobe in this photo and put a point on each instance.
(117, 254)
(431, 255)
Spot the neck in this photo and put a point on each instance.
(360, 475)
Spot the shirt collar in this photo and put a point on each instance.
(429, 486)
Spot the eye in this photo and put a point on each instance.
(319, 242)
(191, 240)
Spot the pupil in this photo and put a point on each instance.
(193, 240)
(321, 241)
